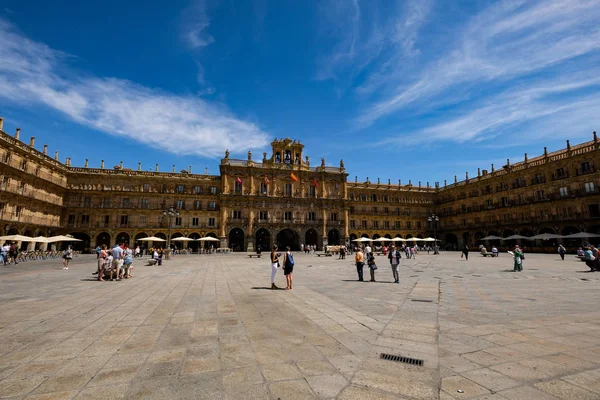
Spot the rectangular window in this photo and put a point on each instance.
(408, 211)
(237, 187)
(312, 191)
(163, 188)
(18, 211)
(71, 219)
(374, 210)
(142, 219)
(398, 225)
(585, 167)
(125, 202)
(197, 205)
(312, 216)
(386, 224)
(504, 201)
(213, 190)
(236, 214)
(263, 215)
(124, 220)
(180, 188)
(386, 210)
(594, 210)
(146, 187)
(197, 189)
(211, 222)
(351, 209)
(363, 224)
(178, 221)
(144, 203)
(407, 224)
(180, 204)
(212, 205)
(376, 224)
(195, 221)
(263, 188)
(106, 220)
(418, 224)
(590, 187)
(564, 192)
(333, 217)
(560, 173)
(105, 202)
(287, 215)
(288, 189)
(85, 220)
(539, 195)
(352, 224)
(87, 201)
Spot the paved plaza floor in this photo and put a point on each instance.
(209, 327)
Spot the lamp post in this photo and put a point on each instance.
(434, 219)
(171, 212)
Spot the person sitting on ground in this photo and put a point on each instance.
(494, 251)
(580, 252)
(590, 260)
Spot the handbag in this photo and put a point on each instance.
(373, 267)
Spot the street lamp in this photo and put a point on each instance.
(171, 212)
(434, 219)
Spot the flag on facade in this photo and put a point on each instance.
(239, 180)
(266, 179)
(294, 177)
(315, 183)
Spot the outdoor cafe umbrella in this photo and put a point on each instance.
(16, 238)
(546, 236)
(429, 239)
(182, 239)
(40, 239)
(581, 235)
(62, 238)
(397, 239)
(491, 237)
(152, 239)
(382, 239)
(513, 237)
(208, 239)
(363, 239)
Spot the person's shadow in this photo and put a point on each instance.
(265, 288)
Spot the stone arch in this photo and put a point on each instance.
(122, 237)
(365, 236)
(139, 236)
(569, 230)
(288, 237)
(12, 231)
(409, 236)
(547, 229)
(526, 232)
(451, 241)
(507, 233)
(353, 236)
(103, 238)
(262, 239)
(207, 245)
(84, 245)
(160, 235)
(376, 236)
(479, 235)
(236, 239)
(399, 236)
(311, 237)
(193, 246)
(333, 237)
(388, 236)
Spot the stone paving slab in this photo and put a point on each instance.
(209, 327)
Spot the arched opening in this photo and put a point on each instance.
(262, 239)
(12, 231)
(493, 233)
(409, 236)
(26, 245)
(451, 241)
(353, 236)
(103, 239)
(376, 236)
(569, 230)
(333, 237)
(419, 236)
(388, 236)
(399, 236)
(479, 236)
(160, 235)
(193, 246)
(365, 236)
(236, 239)
(212, 244)
(84, 245)
(311, 237)
(288, 237)
(123, 237)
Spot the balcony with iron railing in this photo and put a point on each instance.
(32, 193)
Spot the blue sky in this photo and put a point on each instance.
(419, 90)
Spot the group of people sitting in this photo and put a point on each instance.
(116, 263)
(590, 254)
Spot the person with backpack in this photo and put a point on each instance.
(288, 267)
(13, 252)
(562, 251)
(394, 257)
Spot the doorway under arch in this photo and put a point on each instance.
(103, 238)
(353, 236)
(333, 237)
(311, 237)
(236, 239)
(288, 237)
(262, 239)
(85, 243)
(123, 237)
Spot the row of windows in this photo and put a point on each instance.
(383, 210)
(125, 202)
(289, 189)
(287, 215)
(124, 220)
(386, 224)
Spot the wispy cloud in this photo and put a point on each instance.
(195, 23)
(32, 73)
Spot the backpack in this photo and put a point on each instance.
(13, 248)
(289, 260)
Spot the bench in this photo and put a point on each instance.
(323, 254)
(254, 255)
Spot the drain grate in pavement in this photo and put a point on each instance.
(422, 300)
(402, 359)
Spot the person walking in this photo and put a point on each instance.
(394, 257)
(274, 265)
(118, 254)
(127, 262)
(562, 251)
(13, 252)
(518, 258)
(288, 267)
(372, 266)
(465, 252)
(359, 258)
(4, 253)
(102, 256)
(67, 257)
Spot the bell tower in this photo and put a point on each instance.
(286, 151)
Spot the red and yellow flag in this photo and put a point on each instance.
(266, 179)
(294, 177)
(315, 183)
(239, 180)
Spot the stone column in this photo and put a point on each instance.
(346, 225)
(324, 228)
(252, 184)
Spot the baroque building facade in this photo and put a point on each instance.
(283, 200)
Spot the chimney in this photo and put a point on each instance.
(389, 182)
(45, 149)
(467, 175)
(173, 169)
(86, 163)
(139, 166)
(156, 169)
(249, 156)
(355, 179)
(68, 162)
(526, 158)
(32, 141)
(419, 184)
(1, 123)
(56, 155)
(399, 182)
(190, 170)
(484, 172)
(102, 164)
(568, 145)
(545, 152)
(478, 172)
(410, 182)
(18, 134)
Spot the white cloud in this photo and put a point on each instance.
(32, 73)
(195, 24)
